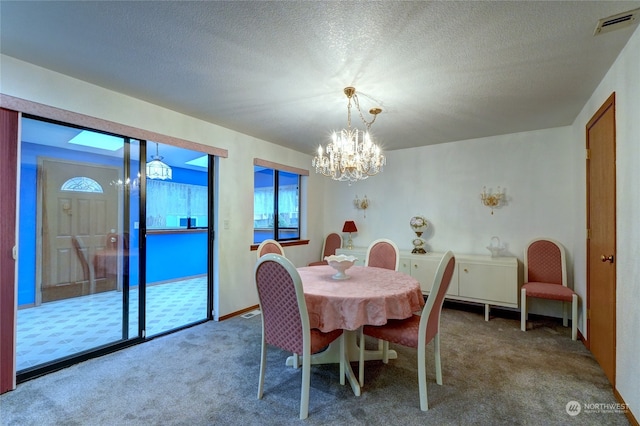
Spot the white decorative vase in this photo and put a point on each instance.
(340, 263)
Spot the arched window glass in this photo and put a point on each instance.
(82, 184)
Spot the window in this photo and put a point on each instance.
(176, 205)
(81, 184)
(276, 194)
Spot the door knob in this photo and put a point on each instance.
(607, 258)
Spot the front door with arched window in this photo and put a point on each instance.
(78, 209)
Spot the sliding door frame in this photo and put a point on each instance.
(9, 145)
(9, 164)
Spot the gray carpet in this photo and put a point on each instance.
(493, 373)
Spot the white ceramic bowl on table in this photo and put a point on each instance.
(340, 262)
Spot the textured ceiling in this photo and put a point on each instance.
(441, 71)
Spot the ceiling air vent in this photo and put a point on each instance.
(616, 22)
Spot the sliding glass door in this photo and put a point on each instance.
(177, 229)
(73, 273)
(106, 257)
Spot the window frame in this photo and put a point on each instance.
(277, 168)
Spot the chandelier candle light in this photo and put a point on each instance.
(351, 155)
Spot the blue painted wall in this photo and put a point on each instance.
(169, 256)
(172, 256)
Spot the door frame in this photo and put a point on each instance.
(8, 296)
(9, 148)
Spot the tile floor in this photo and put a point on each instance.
(57, 329)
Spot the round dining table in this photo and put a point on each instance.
(368, 295)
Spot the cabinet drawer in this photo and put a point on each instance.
(491, 283)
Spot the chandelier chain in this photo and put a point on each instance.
(364, 120)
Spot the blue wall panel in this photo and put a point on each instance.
(171, 256)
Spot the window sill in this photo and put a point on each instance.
(291, 243)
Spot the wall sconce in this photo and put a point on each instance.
(492, 200)
(361, 204)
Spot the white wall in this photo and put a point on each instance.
(624, 79)
(234, 174)
(443, 183)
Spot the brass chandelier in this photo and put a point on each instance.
(351, 155)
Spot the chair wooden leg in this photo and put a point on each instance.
(436, 349)
(361, 360)
(343, 361)
(296, 361)
(523, 310)
(385, 352)
(565, 308)
(574, 317)
(306, 383)
(422, 378)
(263, 363)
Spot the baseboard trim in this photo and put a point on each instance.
(628, 413)
(236, 313)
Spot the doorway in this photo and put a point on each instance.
(77, 211)
(92, 278)
(601, 237)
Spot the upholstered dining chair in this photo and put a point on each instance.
(419, 330)
(383, 253)
(272, 246)
(545, 277)
(285, 321)
(332, 243)
(269, 246)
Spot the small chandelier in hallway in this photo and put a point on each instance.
(156, 169)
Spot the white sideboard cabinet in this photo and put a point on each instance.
(478, 279)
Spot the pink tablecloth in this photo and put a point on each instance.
(370, 296)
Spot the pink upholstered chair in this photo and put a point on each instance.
(545, 277)
(269, 246)
(419, 330)
(332, 243)
(285, 321)
(383, 253)
(274, 247)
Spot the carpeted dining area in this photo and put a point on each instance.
(493, 374)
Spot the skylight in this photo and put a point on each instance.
(199, 162)
(97, 140)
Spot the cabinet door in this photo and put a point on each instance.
(492, 283)
(405, 266)
(424, 270)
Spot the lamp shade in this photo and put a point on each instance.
(349, 226)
